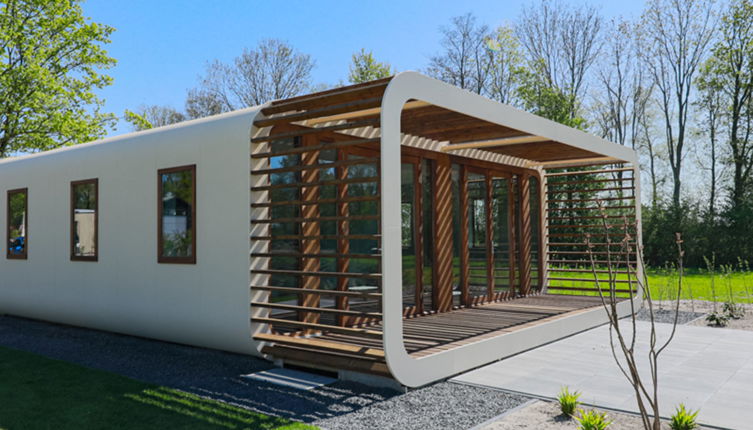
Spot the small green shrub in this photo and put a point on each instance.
(683, 419)
(717, 319)
(733, 310)
(568, 401)
(592, 420)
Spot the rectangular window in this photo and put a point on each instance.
(177, 215)
(84, 220)
(17, 224)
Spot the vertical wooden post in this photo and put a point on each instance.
(512, 237)
(418, 241)
(465, 270)
(343, 244)
(489, 239)
(442, 267)
(524, 193)
(310, 229)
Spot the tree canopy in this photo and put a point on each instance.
(364, 68)
(51, 58)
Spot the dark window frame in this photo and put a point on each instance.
(160, 243)
(95, 257)
(25, 254)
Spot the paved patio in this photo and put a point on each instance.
(710, 369)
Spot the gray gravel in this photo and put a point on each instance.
(441, 406)
(668, 316)
(216, 375)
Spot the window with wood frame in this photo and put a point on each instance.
(177, 215)
(17, 245)
(85, 220)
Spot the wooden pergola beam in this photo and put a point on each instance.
(494, 143)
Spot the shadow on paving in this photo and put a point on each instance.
(204, 372)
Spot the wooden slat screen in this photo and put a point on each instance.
(598, 204)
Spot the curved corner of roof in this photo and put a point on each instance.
(510, 116)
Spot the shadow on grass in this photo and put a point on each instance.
(42, 393)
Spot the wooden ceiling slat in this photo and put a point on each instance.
(333, 91)
(544, 151)
(318, 101)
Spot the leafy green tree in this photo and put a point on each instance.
(729, 73)
(541, 98)
(364, 67)
(50, 61)
(153, 116)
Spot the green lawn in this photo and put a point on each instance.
(697, 284)
(41, 393)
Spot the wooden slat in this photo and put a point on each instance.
(318, 183)
(592, 181)
(594, 199)
(604, 290)
(319, 237)
(320, 112)
(320, 219)
(442, 273)
(309, 309)
(320, 292)
(321, 327)
(317, 130)
(591, 208)
(524, 193)
(316, 343)
(354, 199)
(328, 254)
(326, 165)
(589, 172)
(332, 360)
(303, 150)
(315, 273)
(586, 190)
(323, 97)
(343, 245)
(605, 281)
(586, 226)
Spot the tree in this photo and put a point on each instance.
(272, 71)
(364, 68)
(538, 97)
(730, 71)
(465, 61)
(153, 116)
(562, 43)
(676, 36)
(50, 57)
(506, 69)
(710, 104)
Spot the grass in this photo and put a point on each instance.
(698, 284)
(41, 393)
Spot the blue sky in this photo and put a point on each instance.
(162, 46)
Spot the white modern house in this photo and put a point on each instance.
(403, 228)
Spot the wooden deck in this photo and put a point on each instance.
(426, 335)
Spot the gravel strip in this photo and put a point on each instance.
(667, 316)
(441, 406)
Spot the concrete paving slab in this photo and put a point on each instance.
(705, 368)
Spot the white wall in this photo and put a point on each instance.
(127, 291)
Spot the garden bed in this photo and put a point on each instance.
(541, 415)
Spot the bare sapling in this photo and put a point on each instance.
(646, 392)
